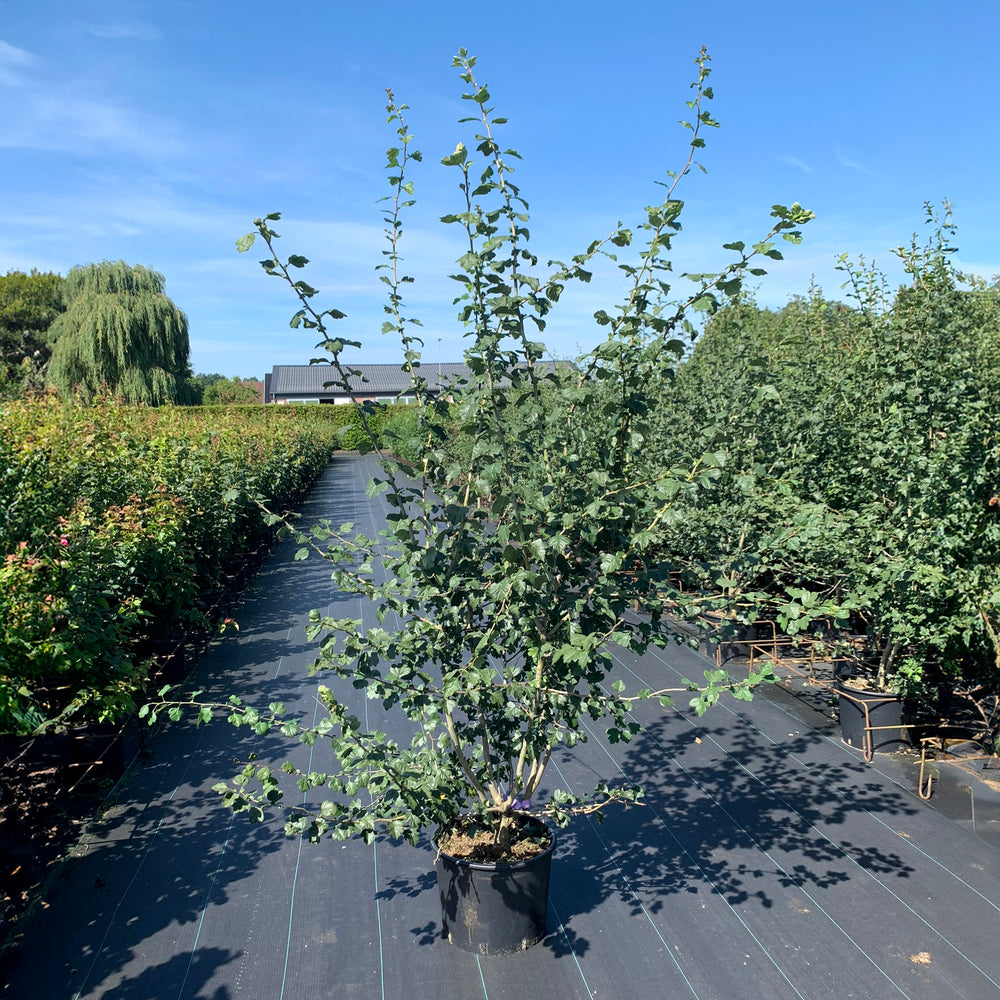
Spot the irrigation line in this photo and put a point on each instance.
(135, 875)
(298, 857)
(569, 944)
(847, 793)
(155, 834)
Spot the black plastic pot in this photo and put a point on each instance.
(81, 756)
(100, 750)
(168, 654)
(494, 909)
(871, 721)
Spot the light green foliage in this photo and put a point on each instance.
(120, 335)
(233, 391)
(404, 434)
(862, 456)
(513, 558)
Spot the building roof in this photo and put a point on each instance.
(375, 380)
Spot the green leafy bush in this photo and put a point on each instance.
(861, 449)
(518, 546)
(116, 519)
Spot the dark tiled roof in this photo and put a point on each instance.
(375, 380)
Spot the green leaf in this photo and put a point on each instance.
(457, 158)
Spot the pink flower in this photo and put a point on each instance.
(64, 540)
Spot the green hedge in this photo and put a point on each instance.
(115, 520)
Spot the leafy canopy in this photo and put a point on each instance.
(121, 335)
(29, 304)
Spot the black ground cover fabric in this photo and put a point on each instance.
(768, 860)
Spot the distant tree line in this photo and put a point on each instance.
(29, 304)
(218, 390)
(103, 329)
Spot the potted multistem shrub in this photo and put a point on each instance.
(517, 548)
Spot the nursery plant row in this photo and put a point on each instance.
(856, 496)
(120, 526)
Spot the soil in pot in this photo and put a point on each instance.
(473, 841)
(495, 907)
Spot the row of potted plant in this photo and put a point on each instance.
(862, 444)
(121, 523)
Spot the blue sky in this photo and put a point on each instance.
(155, 130)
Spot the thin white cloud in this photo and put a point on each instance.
(163, 212)
(91, 221)
(57, 122)
(78, 226)
(989, 271)
(140, 32)
(363, 243)
(794, 161)
(844, 161)
(12, 61)
(53, 114)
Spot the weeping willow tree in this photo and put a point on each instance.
(120, 334)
